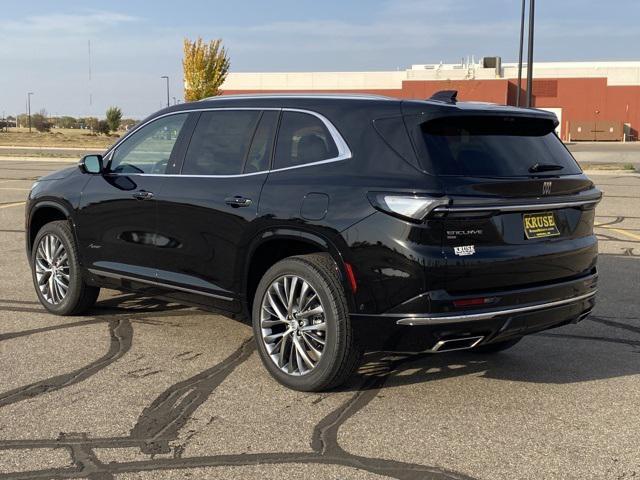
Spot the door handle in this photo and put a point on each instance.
(237, 201)
(143, 195)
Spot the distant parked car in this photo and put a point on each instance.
(336, 223)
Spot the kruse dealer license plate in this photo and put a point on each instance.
(540, 225)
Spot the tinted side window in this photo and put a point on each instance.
(262, 145)
(303, 139)
(220, 142)
(148, 150)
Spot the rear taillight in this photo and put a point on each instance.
(474, 302)
(351, 277)
(410, 207)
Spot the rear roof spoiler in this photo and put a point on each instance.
(446, 96)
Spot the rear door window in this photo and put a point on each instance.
(262, 145)
(493, 146)
(220, 142)
(303, 139)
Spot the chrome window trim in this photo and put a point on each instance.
(343, 148)
(344, 152)
(438, 319)
(118, 276)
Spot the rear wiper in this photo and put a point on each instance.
(544, 167)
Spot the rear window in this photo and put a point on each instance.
(303, 139)
(493, 147)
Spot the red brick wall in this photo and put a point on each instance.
(494, 91)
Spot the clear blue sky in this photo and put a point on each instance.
(43, 44)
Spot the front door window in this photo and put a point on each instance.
(149, 149)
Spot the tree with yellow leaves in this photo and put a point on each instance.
(205, 68)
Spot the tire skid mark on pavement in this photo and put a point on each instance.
(86, 459)
(612, 323)
(616, 220)
(121, 335)
(18, 302)
(22, 309)
(161, 422)
(26, 333)
(623, 341)
(609, 226)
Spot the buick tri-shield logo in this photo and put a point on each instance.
(546, 188)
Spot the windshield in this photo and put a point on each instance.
(493, 147)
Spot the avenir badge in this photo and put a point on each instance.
(540, 225)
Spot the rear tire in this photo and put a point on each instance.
(301, 324)
(56, 272)
(496, 347)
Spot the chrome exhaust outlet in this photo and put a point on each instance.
(454, 344)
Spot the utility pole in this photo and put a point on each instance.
(167, 79)
(532, 14)
(520, 52)
(29, 108)
(89, 83)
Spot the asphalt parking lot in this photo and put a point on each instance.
(140, 389)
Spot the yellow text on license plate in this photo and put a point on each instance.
(540, 225)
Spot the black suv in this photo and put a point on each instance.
(337, 224)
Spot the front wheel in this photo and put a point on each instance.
(301, 324)
(56, 272)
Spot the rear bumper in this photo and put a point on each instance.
(533, 310)
(439, 319)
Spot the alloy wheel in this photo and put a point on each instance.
(293, 325)
(52, 269)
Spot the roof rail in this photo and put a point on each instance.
(446, 96)
(365, 96)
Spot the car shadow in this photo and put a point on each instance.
(553, 357)
(596, 348)
(571, 354)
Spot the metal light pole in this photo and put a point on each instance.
(167, 79)
(532, 14)
(520, 53)
(29, 108)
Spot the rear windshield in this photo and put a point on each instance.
(493, 147)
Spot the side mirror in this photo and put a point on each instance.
(91, 164)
